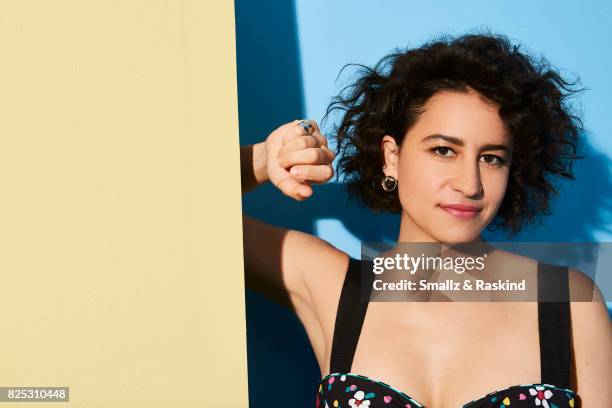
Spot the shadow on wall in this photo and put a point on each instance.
(281, 364)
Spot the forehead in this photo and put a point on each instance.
(466, 115)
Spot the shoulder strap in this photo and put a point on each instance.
(349, 319)
(554, 322)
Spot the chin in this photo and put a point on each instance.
(460, 234)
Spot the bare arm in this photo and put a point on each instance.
(276, 258)
(253, 166)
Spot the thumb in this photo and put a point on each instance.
(293, 188)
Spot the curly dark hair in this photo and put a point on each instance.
(533, 104)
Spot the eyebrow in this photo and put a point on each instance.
(459, 142)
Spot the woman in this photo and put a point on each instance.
(457, 135)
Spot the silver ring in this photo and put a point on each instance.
(307, 126)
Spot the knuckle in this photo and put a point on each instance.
(293, 132)
(302, 143)
(297, 131)
(313, 155)
(322, 159)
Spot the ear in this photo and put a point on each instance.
(390, 152)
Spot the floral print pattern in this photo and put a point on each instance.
(359, 400)
(347, 390)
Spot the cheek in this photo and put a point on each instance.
(417, 178)
(495, 185)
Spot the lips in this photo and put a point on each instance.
(461, 211)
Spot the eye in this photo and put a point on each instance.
(442, 151)
(493, 160)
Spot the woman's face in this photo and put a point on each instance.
(452, 168)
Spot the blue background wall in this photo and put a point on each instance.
(289, 55)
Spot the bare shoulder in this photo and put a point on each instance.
(592, 340)
(319, 265)
(509, 263)
(583, 288)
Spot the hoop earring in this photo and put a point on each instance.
(389, 183)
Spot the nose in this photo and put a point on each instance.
(467, 178)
